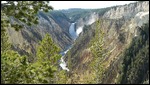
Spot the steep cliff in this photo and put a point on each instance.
(26, 40)
(120, 25)
(127, 11)
(125, 39)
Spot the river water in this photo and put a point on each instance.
(72, 31)
(74, 35)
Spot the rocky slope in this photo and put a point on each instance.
(127, 11)
(120, 25)
(55, 23)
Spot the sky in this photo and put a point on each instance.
(57, 5)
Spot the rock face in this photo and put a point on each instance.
(120, 25)
(127, 11)
(55, 23)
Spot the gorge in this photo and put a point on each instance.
(105, 46)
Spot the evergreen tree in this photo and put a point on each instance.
(62, 77)
(5, 45)
(47, 55)
(15, 68)
(12, 64)
(98, 53)
(135, 66)
(24, 11)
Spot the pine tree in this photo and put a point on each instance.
(98, 53)
(15, 69)
(21, 71)
(47, 55)
(69, 61)
(5, 45)
(62, 77)
(12, 64)
(23, 11)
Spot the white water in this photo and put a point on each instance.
(72, 31)
(63, 63)
(92, 18)
(79, 30)
(74, 36)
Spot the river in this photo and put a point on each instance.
(74, 35)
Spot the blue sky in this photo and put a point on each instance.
(86, 4)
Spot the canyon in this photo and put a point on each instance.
(73, 29)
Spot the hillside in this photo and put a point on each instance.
(120, 31)
(80, 46)
(29, 36)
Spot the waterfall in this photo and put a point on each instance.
(74, 36)
(72, 31)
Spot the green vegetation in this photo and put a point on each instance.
(16, 69)
(4, 41)
(99, 53)
(62, 77)
(47, 55)
(136, 59)
(97, 48)
(75, 14)
(121, 37)
(23, 11)
(86, 60)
